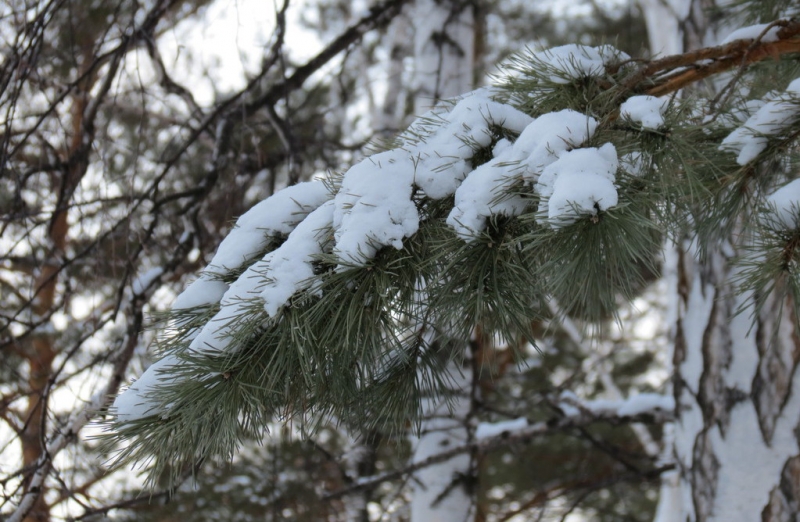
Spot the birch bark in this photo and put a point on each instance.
(444, 61)
(735, 440)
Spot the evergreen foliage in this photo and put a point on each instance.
(365, 338)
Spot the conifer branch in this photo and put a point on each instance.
(672, 73)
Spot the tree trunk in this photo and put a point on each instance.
(738, 406)
(445, 65)
(734, 441)
(444, 50)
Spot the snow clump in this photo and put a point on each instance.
(580, 183)
(573, 62)
(773, 118)
(485, 192)
(274, 217)
(648, 111)
(752, 32)
(784, 205)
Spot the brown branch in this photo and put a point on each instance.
(671, 73)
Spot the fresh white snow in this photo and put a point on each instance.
(376, 205)
(773, 118)
(277, 215)
(485, 191)
(578, 184)
(373, 208)
(648, 111)
(572, 62)
(752, 32)
(137, 401)
(784, 205)
(141, 283)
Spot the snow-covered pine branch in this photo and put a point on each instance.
(347, 297)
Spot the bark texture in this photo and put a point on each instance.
(735, 376)
(445, 64)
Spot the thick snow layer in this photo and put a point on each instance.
(648, 111)
(485, 191)
(579, 183)
(752, 32)
(203, 291)
(135, 402)
(277, 215)
(290, 267)
(486, 430)
(271, 281)
(784, 205)
(773, 118)
(572, 62)
(373, 208)
(544, 139)
(442, 159)
(483, 194)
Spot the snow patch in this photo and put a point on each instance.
(752, 32)
(485, 192)
(630, 407)
(277, 215)
(580, 183)
(143, 282)
(784, 205)
(772, 119)
(487, 430)
(136, 402)
(271, 281)
(572, 62)
(648, 111)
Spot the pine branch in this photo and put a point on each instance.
(672, 73)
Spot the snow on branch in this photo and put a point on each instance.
(315, 251)
(772, 119)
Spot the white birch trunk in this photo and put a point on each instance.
(444, 66)
(737, 388)
(391, 116)
(440, 491)
(444, 51)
